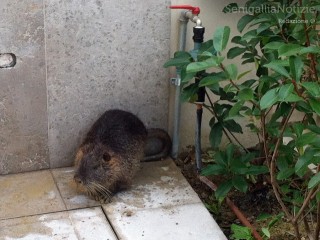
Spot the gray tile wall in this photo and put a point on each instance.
(75, 60)
(23, 100)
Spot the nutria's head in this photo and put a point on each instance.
(96, 171)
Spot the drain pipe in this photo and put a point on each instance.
(191, 13)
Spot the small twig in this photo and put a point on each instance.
(317, 231)
(307, 228)
(264, 136)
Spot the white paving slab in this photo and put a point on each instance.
(27, 194)
(82, 224)
(158, 184)
(161, 205)
(67, 187)
(186, 222)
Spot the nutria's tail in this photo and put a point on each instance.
(158, 145)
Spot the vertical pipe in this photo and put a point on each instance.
(177, 108)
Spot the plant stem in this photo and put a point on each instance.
(304, 205)
(264, 136)
(312, 57)
(317, 231)
(307, 228)
(274, 182)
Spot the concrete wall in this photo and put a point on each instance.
(75, 59)
(212, 17)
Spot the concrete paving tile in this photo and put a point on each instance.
(186, 222)
(72, 199)
(29, 194)
(84, 224)
(158, 184)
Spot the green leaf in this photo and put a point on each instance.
(259, 20)
(263, 216)
(298, 128)
(207, 47)
(273, 45)
(293, 98)
(213, 78)
(213, 169)
(246, 94)
(215, 135)
(275, 219)
(221, 38)
(188, 92)
(306, 139)
(314, 181)
(235, 51)
(221, 159)
(289, 49)
(278, 68)
(223, 189)
(240, 183)
(285, 174)
(251, 35)
(303, 161)
(240, 232)
(232, 71)
(296, 67)
(180, 59)
(186, 77)
(311, 49)
(313, 88)
(229, 152)
(315, 105)
(314, 128)
(270, 98)
(262, 27)
(214, 61)
(243, 22)
(285, 91)
(256, 170)
(241, 75)
(232, 126)
(266, 232)
(234, 111)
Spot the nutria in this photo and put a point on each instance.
(110, 154)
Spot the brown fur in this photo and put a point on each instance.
(110, 155)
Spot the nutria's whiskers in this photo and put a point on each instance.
(101, 189)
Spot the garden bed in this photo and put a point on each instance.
(257, 201)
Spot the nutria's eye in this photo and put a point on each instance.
(106, 157)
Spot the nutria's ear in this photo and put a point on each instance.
(106, 157)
